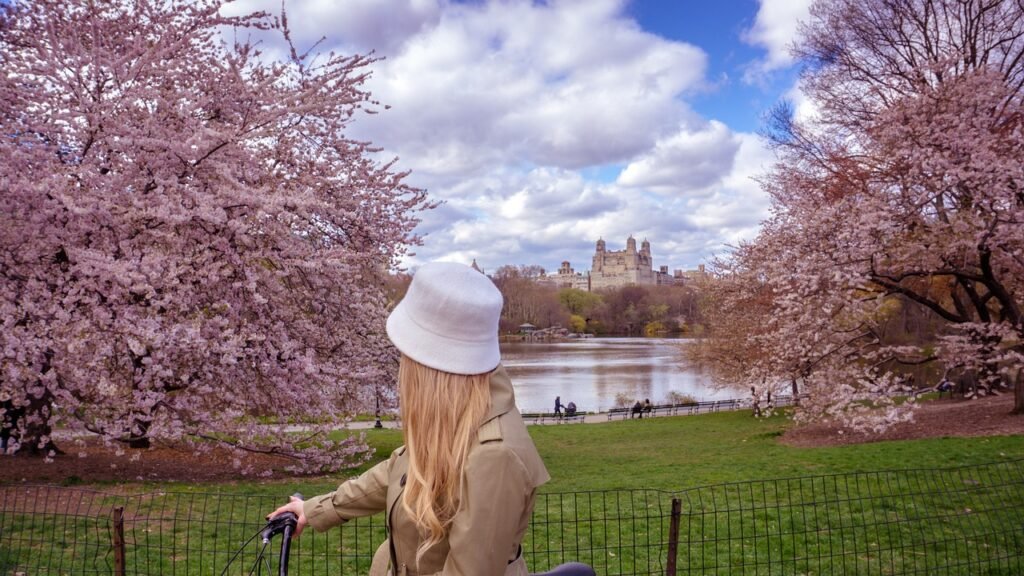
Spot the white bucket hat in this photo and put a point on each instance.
(448, 319)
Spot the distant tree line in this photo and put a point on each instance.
(626, 311)
(629, 311)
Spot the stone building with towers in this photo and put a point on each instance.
(614, 269)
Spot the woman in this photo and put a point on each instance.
(460, 492)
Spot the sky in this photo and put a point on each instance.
(543, 126)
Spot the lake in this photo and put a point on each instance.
(591, 371)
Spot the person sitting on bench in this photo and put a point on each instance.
(945, 386)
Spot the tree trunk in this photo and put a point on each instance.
(36, 439)
(968, 384)
(140, 443)
(1018, 393)
(140, 434)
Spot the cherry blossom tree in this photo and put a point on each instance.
(190, 246)
(737, 303)
(903, 189)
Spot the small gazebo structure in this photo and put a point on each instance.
(527, 328)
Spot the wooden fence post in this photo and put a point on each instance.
(673, 537)
(118, 535)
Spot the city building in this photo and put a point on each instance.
(614, 269)
(567, 278)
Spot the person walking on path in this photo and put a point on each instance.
(458, 495)
(558, 406)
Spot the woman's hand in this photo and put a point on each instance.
(294, 506)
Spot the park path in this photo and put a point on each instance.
(595, 418)
(547, 420)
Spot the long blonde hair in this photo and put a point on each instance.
(441, 413)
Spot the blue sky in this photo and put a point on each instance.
(544, 126)
(717, 28)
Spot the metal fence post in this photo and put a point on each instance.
(673, 537)
(118, 518)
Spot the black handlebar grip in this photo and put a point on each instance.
(283, 522)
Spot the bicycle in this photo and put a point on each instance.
(283, 524)
(286, 522)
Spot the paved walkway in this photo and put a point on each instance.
(595, 418)
(590, 418)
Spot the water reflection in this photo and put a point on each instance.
(591, 372)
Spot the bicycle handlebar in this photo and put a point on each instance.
(283, 524)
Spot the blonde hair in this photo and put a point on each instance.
(441, 413)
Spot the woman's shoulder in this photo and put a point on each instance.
(504, 439)
(507, 427)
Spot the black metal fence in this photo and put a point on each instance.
(952, 521)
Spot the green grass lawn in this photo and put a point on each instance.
(670, 453)
(608, 504)
(675, 453)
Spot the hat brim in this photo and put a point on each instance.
(440, 352)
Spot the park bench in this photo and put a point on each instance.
(552, 418)
(731, 404)
(622, 413)
(661, 410)
(656, 410)
(783, 400)
(704, 407)
(692, 408)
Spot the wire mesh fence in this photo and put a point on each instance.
(616, 532)
(955, 521)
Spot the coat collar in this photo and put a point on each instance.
(503, 399)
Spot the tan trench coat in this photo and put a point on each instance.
(503, 471)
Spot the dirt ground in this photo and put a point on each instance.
(989, 416)
(91, 463)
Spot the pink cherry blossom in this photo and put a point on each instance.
(191, 249)
(903, 191)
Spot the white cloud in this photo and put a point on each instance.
(547, 215)
(352, 25)
(569, 84)
(688, 162)
(775, 29)
(498, 106)
(804, 109)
